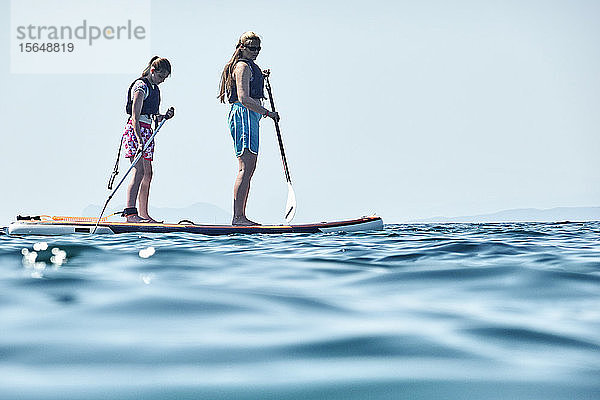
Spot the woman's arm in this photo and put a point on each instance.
(242, 75)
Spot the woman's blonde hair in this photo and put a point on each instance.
(226, 84)
(159, 64)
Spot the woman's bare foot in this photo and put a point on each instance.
(243, 221)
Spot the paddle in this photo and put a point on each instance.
(290, 206)
(135, 160)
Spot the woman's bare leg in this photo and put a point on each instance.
(241, 188)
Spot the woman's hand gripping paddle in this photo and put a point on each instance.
(135, 160)
(290, 206)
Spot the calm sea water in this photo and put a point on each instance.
(458, 311)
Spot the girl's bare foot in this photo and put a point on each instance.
(151, 220)
(135, 218)
(243, 221)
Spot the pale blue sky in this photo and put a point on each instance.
(407, 109)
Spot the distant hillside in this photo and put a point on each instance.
(198, 213)
(557, 214)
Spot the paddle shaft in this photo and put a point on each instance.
(281, 149)
(135, 160)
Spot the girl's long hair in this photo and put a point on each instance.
(226, 84)
(159, 64)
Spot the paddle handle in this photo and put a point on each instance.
(281, 149)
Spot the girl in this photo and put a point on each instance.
(242, 82)
(143, 100)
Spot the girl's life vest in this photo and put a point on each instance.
(151, 103)
(257, 82)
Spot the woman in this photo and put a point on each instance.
(242, 82)
(143, 100)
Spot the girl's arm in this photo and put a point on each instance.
(136, 109)
(168, 115)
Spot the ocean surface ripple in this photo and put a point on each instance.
(422, 311)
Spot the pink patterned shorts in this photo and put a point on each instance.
(130, 141)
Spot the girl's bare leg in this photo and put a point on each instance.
(134, 188)
(145, 189)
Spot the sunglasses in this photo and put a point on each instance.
(253, 48)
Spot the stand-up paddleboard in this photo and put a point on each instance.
(46, 225)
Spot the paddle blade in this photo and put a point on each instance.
(290, 205)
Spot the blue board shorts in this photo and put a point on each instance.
(243, 125)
